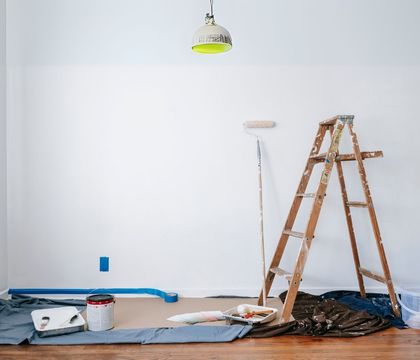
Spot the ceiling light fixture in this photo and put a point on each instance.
(211, 38)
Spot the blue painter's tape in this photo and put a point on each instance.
(169, 297)
(104, 263)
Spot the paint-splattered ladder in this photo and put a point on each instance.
(335, 126)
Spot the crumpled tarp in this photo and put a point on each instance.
(317, 316)
(16, 327)
(374, 304)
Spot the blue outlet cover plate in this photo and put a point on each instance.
(104, 263)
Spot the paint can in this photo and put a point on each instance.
(100, 312)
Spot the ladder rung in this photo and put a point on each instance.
(365, 155)
(318, 157)
(307, 195)
(282, 272)
(357, 204)
(372, 275)
(348, 157)
(294, 233)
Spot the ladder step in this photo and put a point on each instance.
(365, 155)
(357, 204)
(282, 272)
(372, 275)
(348, 157)
(307, 195)
(295, 234)
(318, 157)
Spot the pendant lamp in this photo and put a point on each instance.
(211, 38)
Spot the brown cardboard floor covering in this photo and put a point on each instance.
(132, 313)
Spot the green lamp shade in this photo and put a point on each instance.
(211, 48)
(211, 39)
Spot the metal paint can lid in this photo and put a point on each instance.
(99, 299)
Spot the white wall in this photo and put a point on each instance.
(3, 238)
(123, 143)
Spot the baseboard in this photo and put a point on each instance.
(4, 293)
(248, 292)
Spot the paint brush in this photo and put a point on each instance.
(251, 314)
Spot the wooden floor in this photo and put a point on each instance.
(388, 344)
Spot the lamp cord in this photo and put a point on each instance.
(210, 17)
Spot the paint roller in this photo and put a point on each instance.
(260, 124)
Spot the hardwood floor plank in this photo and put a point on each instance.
(386, 345)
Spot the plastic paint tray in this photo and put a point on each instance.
(251, 321)
(59, 321)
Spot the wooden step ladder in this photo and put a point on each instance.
(335, 126)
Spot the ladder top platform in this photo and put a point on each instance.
(345, 119)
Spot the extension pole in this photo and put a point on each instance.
(261, 217)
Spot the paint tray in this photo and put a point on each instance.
(232, 314)
(59, 321)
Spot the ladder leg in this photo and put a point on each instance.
(350, 227)
(295, 282)
(274, 263)
(374, 222)
(313, 220)
(293, 211)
